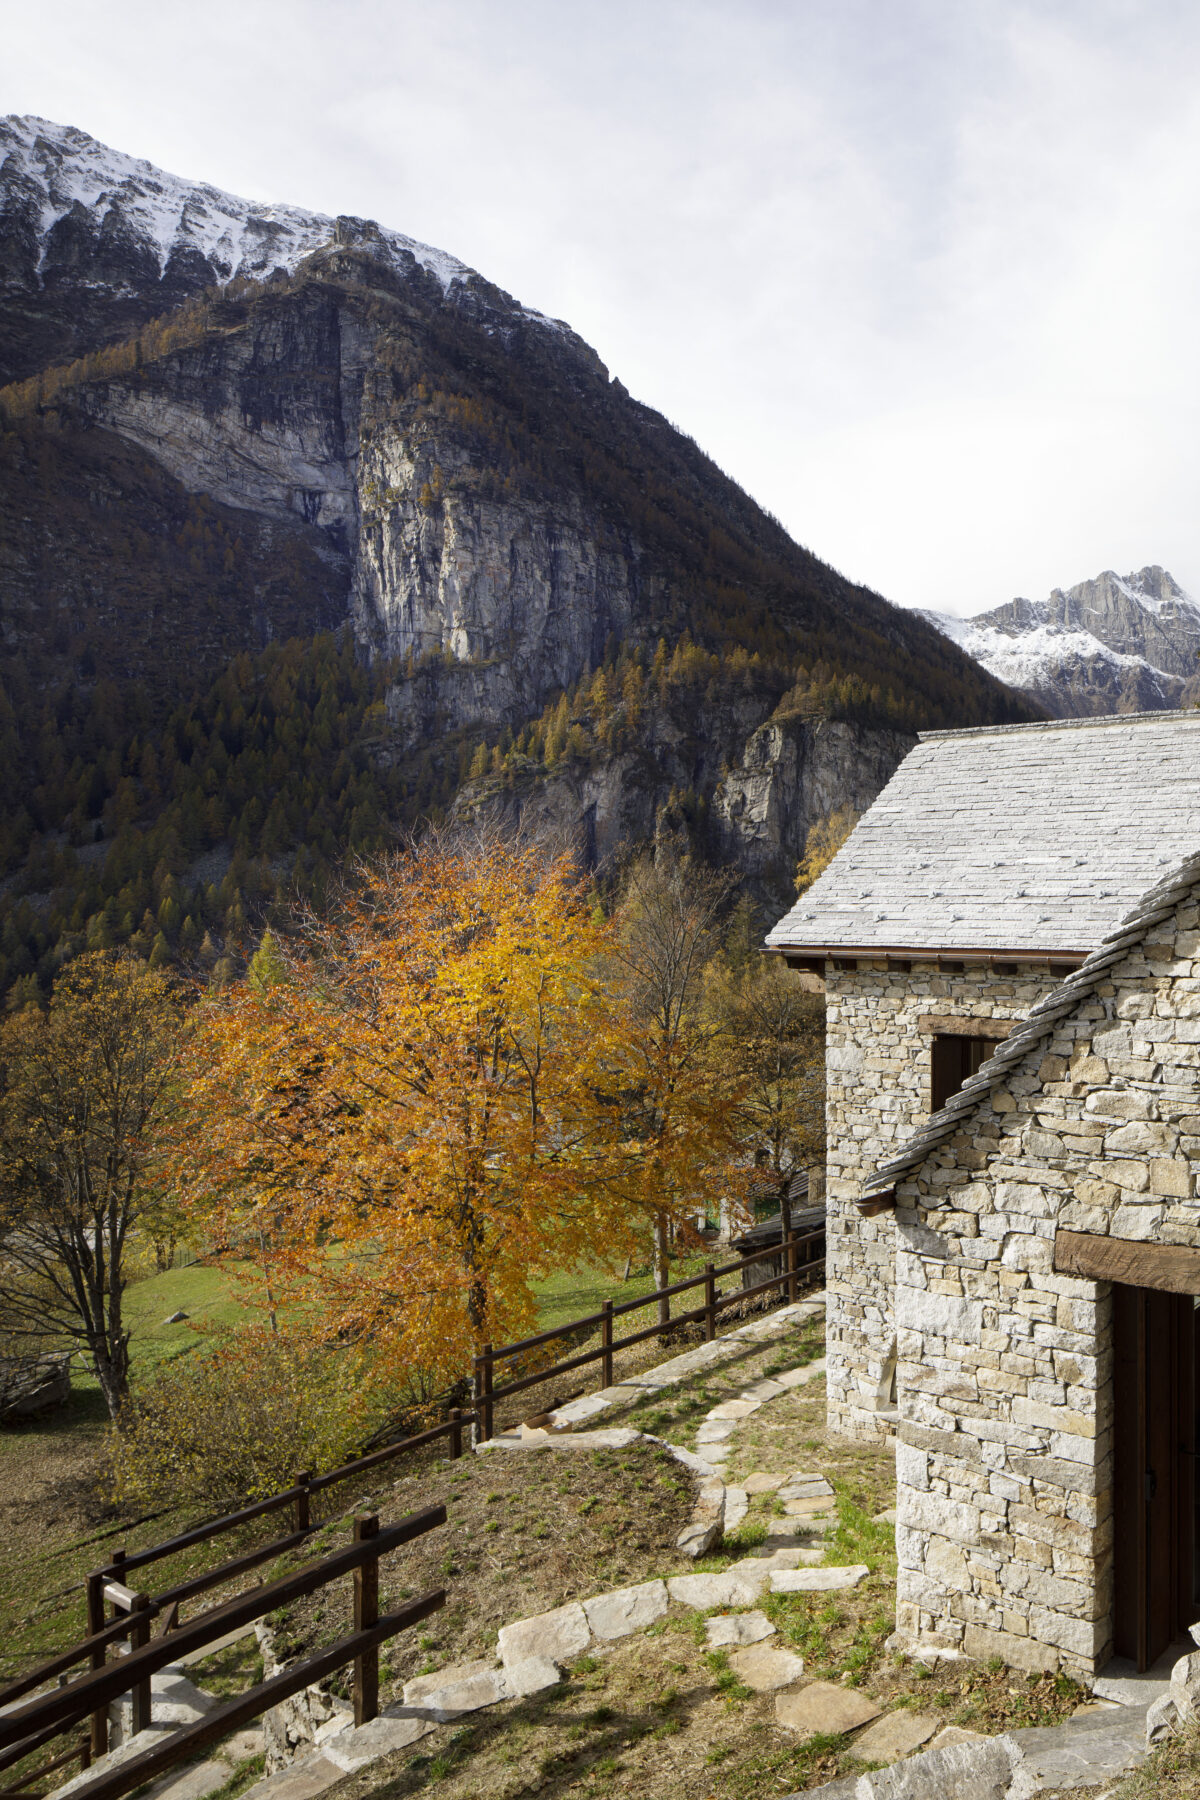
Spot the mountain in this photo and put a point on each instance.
(229, 426)
(1112, 645)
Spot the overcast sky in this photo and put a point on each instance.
(922, 275)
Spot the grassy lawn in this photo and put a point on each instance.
(573, 1295)
(203, 1293)
(208, 1296)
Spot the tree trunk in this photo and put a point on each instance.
(662, 1275)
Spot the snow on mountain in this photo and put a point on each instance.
(67, 168)
(73, 210)
(1114, 644)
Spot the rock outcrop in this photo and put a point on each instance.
(1112, 645)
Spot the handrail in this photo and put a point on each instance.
(83, 1696)
(232, 1713)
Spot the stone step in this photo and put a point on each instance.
(1085, 1751)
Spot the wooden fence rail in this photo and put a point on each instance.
(24, 1729)
(801, 1265)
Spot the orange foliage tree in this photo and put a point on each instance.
(432, 1097)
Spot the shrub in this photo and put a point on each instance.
(236, 1422)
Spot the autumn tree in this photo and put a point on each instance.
(679, 1103)
(86, 1090)
(774, 1033)
(822, 843)
(421, 1104)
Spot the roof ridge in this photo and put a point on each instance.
(1088, 723)
(1157, 904)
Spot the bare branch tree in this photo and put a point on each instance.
(84, 1090)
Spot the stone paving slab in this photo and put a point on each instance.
(797, 1377)
(802, 1485)
(1119, 1680)
(733, 1587)
(539, 1438)
(357, 1745)
(895, 1735)
(956, 1734)
(736, 1410)
(765, 1668)
(817, 1580)
(825, 1708)
(558, 1635)
(730, 1629)
(459, 1688)
(737, 1505)
(626, 1610)
(1084, 1752)
(975, 1771)
(194, 1782)
(761, 1483)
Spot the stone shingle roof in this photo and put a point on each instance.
(1151, 910)
(1017, 837)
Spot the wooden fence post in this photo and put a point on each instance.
(455, 1432)
(95, 1623)
(303, 1500)
(483, 1394)
(792, 1283)
(366, 1614)
(606, 1343)
(139, 1635)
(710, 1302)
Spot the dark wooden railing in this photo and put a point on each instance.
(801, 1265)
(24, 1729)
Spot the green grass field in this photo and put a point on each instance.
(210, 1297)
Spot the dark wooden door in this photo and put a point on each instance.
(1154, 1343)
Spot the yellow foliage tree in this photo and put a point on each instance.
(426, 1111)
(822, 844)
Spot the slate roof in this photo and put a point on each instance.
(1155, 906)
(1014, 837)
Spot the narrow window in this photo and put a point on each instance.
(954, 1059)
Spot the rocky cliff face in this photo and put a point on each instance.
(453, 475)
(744, 785)
(1112, 645)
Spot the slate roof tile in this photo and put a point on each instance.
(1017, 837)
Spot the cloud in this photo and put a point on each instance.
(921, 276)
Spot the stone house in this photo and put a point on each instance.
(1010, 944)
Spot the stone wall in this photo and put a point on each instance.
(877, 1066)
(1005, 1458)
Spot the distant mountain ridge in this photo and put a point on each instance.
(1110, 645)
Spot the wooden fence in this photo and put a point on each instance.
(803, 1257)
(24, 1729)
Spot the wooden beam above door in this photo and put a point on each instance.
(1171, 1268)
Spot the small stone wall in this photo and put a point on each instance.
(1005, 1458)
(877, 1064)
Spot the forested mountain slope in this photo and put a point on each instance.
(230, 425)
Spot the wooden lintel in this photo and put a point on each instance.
(874, 1204)
(1172, 1268)
(955, 1025)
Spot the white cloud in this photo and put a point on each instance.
(921, 275)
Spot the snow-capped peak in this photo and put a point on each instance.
(53, 169)
(1113, 644)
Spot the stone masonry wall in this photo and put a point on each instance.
(1005, 1453)
(877, 1066)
